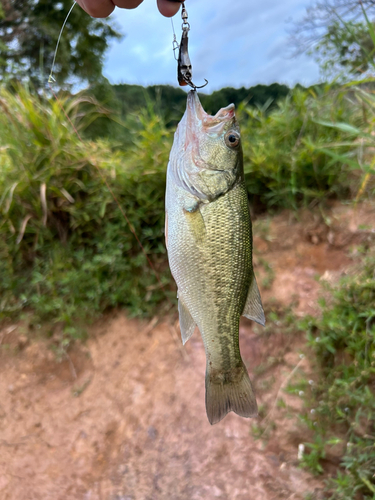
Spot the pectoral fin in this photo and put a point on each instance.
(253, 308)
(196, 224)
(187, 324)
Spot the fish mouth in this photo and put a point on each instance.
(197, 120)
(196, 115)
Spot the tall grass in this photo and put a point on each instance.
(65, 248)
(292, 157)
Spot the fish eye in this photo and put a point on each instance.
(232, 139)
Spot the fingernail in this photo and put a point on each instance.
(176, 1)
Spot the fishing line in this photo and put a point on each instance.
(51, 80)
(175, 43)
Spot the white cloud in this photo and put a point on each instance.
(231, 45)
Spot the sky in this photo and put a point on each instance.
(238, 43)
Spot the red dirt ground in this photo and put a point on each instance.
(123, 418)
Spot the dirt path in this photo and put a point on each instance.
(123, 417)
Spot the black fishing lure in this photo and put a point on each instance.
(184, 68)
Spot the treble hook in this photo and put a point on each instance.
(184, 68)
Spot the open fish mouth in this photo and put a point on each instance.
(198, 121)
(197, 117)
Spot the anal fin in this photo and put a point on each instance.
(187, 324)
(253, 308)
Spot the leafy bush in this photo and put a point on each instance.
(65, 248)
(287, 151)
(67, 251)
(341, 403)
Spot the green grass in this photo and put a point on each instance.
(292, 159)
(340, 403)
(67, 252)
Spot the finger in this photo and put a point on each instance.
(169, 7)
(127, 4)
(97, 8)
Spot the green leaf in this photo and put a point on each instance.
(344, 127)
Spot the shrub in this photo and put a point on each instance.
(65, 248)
(287, 151)
(340, 405)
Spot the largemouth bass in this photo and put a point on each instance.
(209, 243)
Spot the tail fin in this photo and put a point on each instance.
(229, 391)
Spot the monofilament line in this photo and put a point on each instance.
(175, 44)
(51, 78)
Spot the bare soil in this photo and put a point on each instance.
(122, 417)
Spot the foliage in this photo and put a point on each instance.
(108, 121)
(340, 404)
(169, 102)
(360, 134)
(339, 34)
(345, 48)
(65, 248)
(285, 163)
(289, 156)
(256, 96)
(29, 30)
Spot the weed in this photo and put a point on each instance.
(269, 276)
(66, 251)
(284, 163)
(340, 405)
(79, 389)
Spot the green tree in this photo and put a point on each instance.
(171, 101)
(339, 34)
(258, 95)
(28, 33)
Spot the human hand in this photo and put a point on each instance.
(102, 8)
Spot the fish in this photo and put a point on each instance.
(209, 244)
